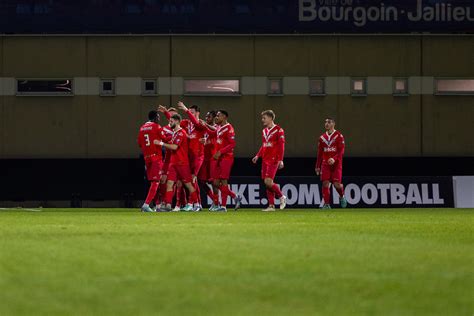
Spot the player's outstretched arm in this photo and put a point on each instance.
(167, 146)
(165, 111)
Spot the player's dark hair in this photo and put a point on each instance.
(331, 119)
(224, 112)
(269, 113)
(153, 115)
(195, 108)
(176, 117)
(212, 113)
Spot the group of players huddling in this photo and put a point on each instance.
(199, 154)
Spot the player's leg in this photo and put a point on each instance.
(153, 175)
(326, 194)
(184, 173)
(326, 180)
(181, 199)
(224, 175)
(170, 186)
(163, 180)
(204, 178)
(337, 182)
(268, 174)
(216, 183)
(196, 167)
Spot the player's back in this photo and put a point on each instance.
(149, 132)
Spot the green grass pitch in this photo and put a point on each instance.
(296, 262)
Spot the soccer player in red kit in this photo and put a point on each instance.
(179, 165)
(168, 133)
(150, 133)
(209, 142)
(329, 162)
(222, 161)
(271, 152)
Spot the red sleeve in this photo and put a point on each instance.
(230, 135)
(319, 160)
(281, 145)
(341, 146)
(195, 121)
(167, 114)
(211, 132)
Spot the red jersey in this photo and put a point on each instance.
(210, 145)
(225, 141)
(149, 132)
(330, 146)
(167, 134)
(195, 131)
(180, 155)
(273, 144)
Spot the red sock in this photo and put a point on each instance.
(193, 197)
(151, 192)
(198, 192)
(180, 196)
(326, 195)
(168, 197)
(276, 190)
(209, 192)
(226, 192)
(215, 200)
(271, 197)
(340, 190)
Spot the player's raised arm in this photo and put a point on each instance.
(165, 111)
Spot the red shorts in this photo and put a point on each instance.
(195, 163)
(205, 171)
(269, 170)
(153, 169)
(220, 169)
(331, 173)
(179, 172)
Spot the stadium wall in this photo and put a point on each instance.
(379, 125)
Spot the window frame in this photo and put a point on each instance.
(211, 94)
(438, 93)
(44, 94)
(144, 92)
(101, 87)
(269, 85)
(355, 93)
(323, 94)
(398, 93)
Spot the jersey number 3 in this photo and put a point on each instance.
(147, 140)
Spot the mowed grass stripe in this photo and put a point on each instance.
(358, 262)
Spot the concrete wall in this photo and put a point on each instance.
(87, 125)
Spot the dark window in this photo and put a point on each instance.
(44, 87)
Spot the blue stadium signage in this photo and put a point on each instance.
(236, 17)
(361, 192)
